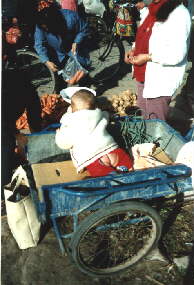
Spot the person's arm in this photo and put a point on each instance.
(39, 39)
(63, 137)
(170, 44)
(81, 29)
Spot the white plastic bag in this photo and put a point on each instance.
(94, 7)
(68, 92)
(21, 213)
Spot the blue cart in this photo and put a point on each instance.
(113, 224)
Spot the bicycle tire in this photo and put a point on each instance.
(114, 238)
(106, 59)
(97, 29)
(41, 77)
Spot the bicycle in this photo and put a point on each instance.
(41, 77)
(105, 45)
(27, 60)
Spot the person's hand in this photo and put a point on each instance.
(74, 48)
(141, 59)
(140, 5)
(51, 66)
(21, 140)
(129, 56)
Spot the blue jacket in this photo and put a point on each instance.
(77, 31)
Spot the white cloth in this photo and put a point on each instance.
(84, 133)
(168, 45)
(143, 14)
(94, 7)
(186, 156)
(68, 92)
(142, 156)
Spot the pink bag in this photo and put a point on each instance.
(69, 5)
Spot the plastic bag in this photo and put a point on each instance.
(22, 217)
(68, 92)
(73, 71)
(124, 23)
(94, 7)
(13, 35)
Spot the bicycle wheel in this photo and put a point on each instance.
(42, 78)
(115, 238)
(106, 59)
(97, 29)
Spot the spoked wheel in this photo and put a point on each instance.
(41, 77)
(97, 29)
(106, 51)
(114, 238)
(106, 59)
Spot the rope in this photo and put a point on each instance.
(134, 133)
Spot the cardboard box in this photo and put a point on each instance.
(55, 173)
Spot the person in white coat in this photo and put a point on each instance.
(159, 56)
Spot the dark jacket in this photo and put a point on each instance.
(18, 95)
(76, 32)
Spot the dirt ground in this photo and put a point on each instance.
(44, 264)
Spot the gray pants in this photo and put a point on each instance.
(152, 108)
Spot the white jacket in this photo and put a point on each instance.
(84, 133)
(168, 45)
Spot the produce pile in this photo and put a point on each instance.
(119, 104)
(53, 107)
(76, 77)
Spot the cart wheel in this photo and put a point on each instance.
(114, 238)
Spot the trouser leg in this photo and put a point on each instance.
(152, 107)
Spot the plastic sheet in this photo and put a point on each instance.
(94, 7)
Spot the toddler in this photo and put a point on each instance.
(83, 131)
